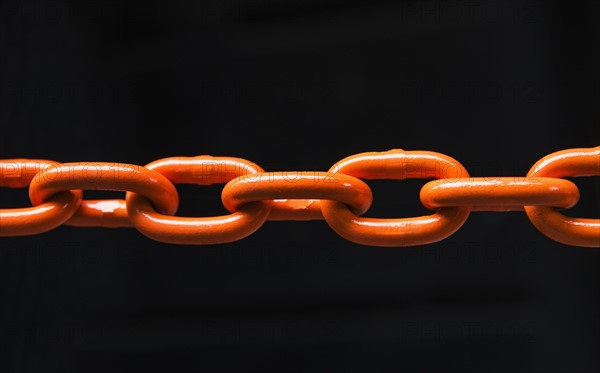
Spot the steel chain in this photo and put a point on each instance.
(338, 196)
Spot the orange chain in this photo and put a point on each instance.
(339, 196)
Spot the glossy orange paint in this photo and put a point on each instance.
(396, 164)
(294, 192)
(19, 173)
(104, 176)
(110, 213)
(339, 196)
(499, 193)
(201, 170)
(564, 229)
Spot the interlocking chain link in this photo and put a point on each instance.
(339, 196)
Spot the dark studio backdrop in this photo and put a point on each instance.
(299, 85)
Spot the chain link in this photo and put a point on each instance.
(338, 196)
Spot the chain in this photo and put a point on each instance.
(338, 196)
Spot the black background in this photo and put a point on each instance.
(298, 85)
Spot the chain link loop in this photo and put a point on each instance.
(283, 187)
(338, 196)
(200, 170)
(396, 164)
(561, 228)
(104, 176)
(499, 193)
(55, 211)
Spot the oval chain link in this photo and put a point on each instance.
(253, 196)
